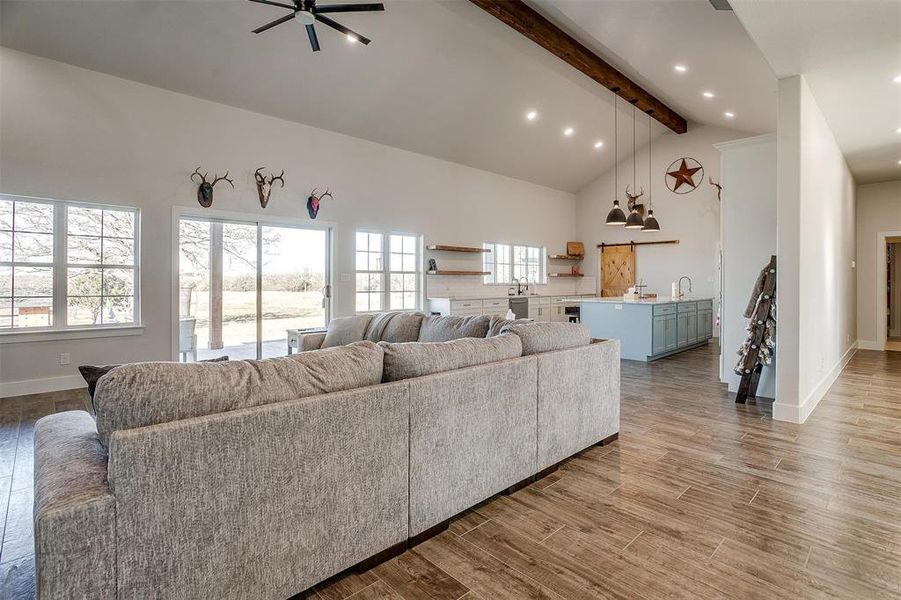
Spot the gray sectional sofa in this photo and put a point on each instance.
(259, 479)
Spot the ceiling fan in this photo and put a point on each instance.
(308, 13)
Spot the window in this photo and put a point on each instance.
(66, 265)
(388, 272)
(510, 262)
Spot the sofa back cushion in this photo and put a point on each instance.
(404, 361)
(346, 330)
(445, 328)
(394, 327)
(149, 393)
(498, 323)
(544, 337)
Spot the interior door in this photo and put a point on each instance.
(617, 270)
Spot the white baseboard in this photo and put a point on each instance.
(870, 345)
(41, 386)
(794, 413)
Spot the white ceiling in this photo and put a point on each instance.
(442, 78)
(849, 51)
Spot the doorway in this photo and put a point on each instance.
(893, 294)
(243, 285)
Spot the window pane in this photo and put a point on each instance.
(409, 262)
(362, 241)
(375, 261)
(118, 282)
(83, 282)
(410, 244)
(397, 301)
(362, 261)
(84, 250)
(117, 309)
(375, 242)
(6, 282)
(33, 217)
(396, 282)
(6, 214)
(33, 247)
(6, 246)
(376, 282)
(32, 281)
(84, 221)
(375, 302)
(118, 223)
(84, 310)
(409, 283)
(118, 251)
(33, 312)
(362, 302)
(397, 262)
(397, 243)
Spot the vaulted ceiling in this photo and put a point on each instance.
(441, 77)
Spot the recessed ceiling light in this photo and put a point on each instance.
(531, 115)
(899, 162)
(598, 144)
(897, 79)
(730, 115)
(708, 94)
(352, 38)
(898, 130)
(568, 131)
(681, 68)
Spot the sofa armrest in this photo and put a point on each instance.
(311, 341)
(74, 511)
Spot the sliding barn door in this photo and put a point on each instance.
(617, 270)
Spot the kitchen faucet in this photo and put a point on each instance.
(519, 285)
(680, 284)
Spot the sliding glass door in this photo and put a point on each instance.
(243, 286)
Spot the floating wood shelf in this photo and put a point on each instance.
(565, 256)
(441, 272)
(566, 275)
(445, 248)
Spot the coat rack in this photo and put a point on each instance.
(750, 364)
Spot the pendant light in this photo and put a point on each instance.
(634, 221)
(616, 216)
(650, 222)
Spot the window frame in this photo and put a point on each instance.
(386, 271)
(60, 264)
(493, 259)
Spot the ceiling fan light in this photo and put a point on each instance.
(616, 216)
(650, 223)
(634, 221)
(305, 17)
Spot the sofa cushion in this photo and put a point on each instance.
(544, 337)
(394, 327)
(404, 361)
(444, 328)
(346, 330)
(149, 393)
(498, 323)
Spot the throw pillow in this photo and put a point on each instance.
(346, 330)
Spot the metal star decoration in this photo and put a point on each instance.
(684, 175)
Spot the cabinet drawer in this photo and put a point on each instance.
(495, 303)
(465, 305)
(539, 301)
(665, 309)
(687, 307)
(705, 304)
(560, 300)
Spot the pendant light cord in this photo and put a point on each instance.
(633, 148)
(615, 152)
(650, 181)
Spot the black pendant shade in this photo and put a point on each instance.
(616, 216)
(634, 221)
(650, 223)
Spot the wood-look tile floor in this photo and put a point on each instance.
(699, 498)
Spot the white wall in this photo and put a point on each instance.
(693, 218)
(748, 241)
(73, 134)
(878, 212)
(816, 242)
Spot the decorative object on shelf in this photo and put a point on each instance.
(616, 216)
(575, 249)
(719, 188)
(205, 188)
(576, 271)
(635, 220)
(313, 202)
(264, 184)
(757, 350)
(433, 265)
(307, 13)
(650, 221)
(681, 173)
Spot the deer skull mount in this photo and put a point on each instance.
(264, 184)
(314, 200)
(205, 188)
(632, 203)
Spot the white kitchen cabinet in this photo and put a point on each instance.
(540, 309)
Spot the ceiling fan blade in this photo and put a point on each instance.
(273, 23)
(342, 8)
(342, 29)
(314, 41)
(279, 4)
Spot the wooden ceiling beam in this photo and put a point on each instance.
(530, 23)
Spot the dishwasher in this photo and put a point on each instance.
(520, 306)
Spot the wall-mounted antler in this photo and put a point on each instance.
(719, 188)
(633, 200)
(314, 200)
(205, 188)
(264, 185)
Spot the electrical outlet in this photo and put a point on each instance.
(63, 358)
